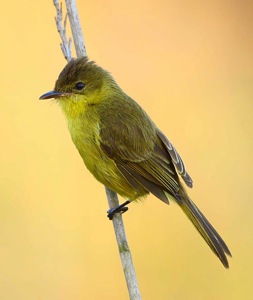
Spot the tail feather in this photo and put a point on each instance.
(207, 231)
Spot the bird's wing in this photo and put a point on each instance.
(142, 154)
(176, 159)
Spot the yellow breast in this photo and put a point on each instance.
(85, 135)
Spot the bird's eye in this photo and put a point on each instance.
(79, 85)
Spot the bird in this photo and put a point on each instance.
(122, 147)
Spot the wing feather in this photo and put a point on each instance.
(177, 160)
(141, 152)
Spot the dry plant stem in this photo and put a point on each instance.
(76, 28)
(125, 254)
(61, 27)
(124, 251)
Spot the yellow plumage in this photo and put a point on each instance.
(122, 147)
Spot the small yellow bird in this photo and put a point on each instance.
(122, 147)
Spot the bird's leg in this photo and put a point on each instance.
(119, 209)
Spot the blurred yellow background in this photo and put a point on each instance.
(190, 65)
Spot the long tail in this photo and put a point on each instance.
(207, 231)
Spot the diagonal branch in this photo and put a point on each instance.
(76, 28)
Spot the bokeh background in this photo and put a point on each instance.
(190, 65)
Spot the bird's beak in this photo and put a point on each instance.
(52, 94)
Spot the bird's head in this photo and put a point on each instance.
(81, 83)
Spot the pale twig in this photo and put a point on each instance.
(76, 28)
(61, 27)
(112, 198)
(124, 250)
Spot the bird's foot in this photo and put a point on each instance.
(122, 208)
